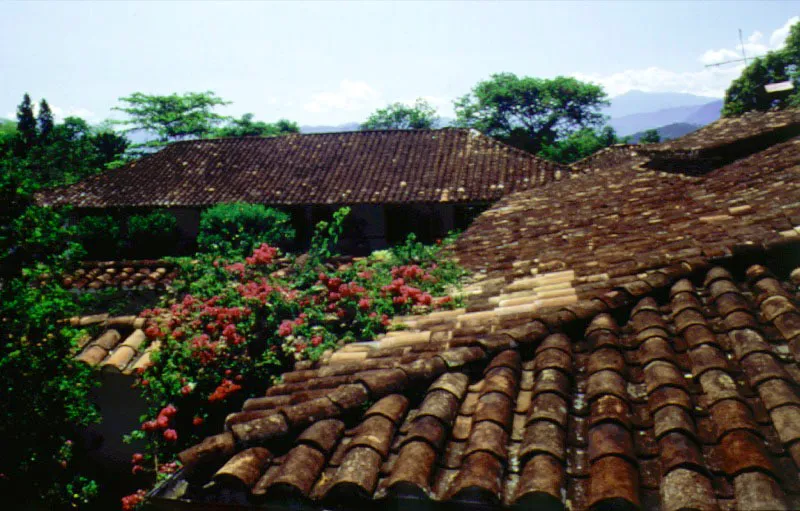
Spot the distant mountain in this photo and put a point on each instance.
(669, 131)
(698, 115)
(348, 126)
(637, 102)
(706, 114)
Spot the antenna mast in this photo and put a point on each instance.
(744, 55)
(741, 45)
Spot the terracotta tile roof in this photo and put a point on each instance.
(684, 395)
(449, 165)
(600, 362)
(733, 130)
(723, 142)
(119, 343)
(606, 158)
(94, 275)
(607, 226)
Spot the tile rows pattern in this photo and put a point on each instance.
(731, 130)
(608, 226)
(687, 399)
(149, 274)
(119, 343)
(378, 167)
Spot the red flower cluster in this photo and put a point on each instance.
(132, 501)
(162, 422)
(261, 290)
(339, 291)
(236, 268)
(412, 272)
(204, 349)
(168, 468)
(263, 255)
(403, 294)
(226, 388)
(153, 332)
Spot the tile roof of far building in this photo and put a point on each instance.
(374, 167)
(95, 275)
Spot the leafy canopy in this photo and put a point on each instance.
(173, 117)
(579, 144)
(747, 92)
(247, 127)
(238, 228)
(650, 137)
(399, 116)
(528, 112)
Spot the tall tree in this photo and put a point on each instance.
(247, 127)
(175, 117)
(26, 124)
(528, 112)
(45, 120)
(748, 93)
(399, 116)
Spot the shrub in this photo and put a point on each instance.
(44, 395)
(99, 235)
(230, 326)
(236, 229)
(154, 234)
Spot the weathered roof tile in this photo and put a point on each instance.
(448, 165)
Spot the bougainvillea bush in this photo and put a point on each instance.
(231, 327)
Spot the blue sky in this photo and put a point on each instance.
(333, 62)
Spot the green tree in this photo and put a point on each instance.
(747, 92)
(397, 116)
(247, 127)
(73, 151)
(650, 137)
(171, 118)
(26, 125)
(8, 132)
(45, 120)
(531, 113)
(579, 144)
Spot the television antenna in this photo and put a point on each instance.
(744, 55)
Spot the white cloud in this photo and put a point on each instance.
(350, 96)
(707, 81)
(717, 56)
(74, 111)
(755, 37)
(778, 37)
